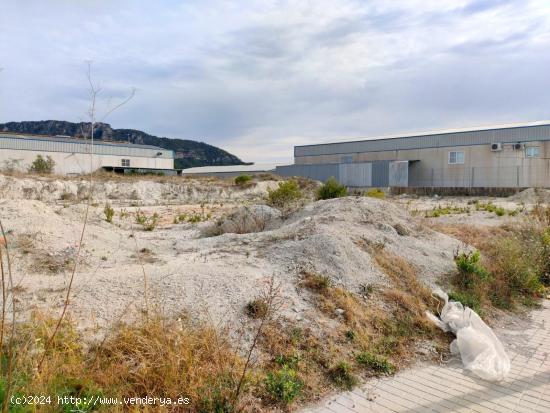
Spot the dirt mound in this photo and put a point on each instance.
(532, 196)
(145, 191)
(218, 275)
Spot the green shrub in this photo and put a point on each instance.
(284, 385)
(376, 363)
(376, 193)
(331, 189)
(242, 179)
(42, 166)
(470, 268)
(467, 298)
(109, 213)
(286, 193)
(342, 375)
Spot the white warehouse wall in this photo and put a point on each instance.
(79, 163)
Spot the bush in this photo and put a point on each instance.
(283, 385)
(376, 193)
(331, 189)
(109, 213)
(42, 166)
(242, 179)
(376, 363)
(286, 193)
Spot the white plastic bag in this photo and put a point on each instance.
(481, 351)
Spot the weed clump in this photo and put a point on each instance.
(109, 213)
(315, 282)
(331, 189)
(375, 193)
(342, 375)
(257, 308)
(283, 385)
(148, 222)
(375, 363)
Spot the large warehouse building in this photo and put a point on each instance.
(72, 156)
(507, 156)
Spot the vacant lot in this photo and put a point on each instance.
(311, 295)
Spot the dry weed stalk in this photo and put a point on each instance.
(270, 298)
(94, 91)
(11, 355)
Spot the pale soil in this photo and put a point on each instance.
(206, 276)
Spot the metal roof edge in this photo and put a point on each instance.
(434, 133)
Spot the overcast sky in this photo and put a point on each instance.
(257, 77)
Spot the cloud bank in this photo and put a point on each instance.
(260, 76)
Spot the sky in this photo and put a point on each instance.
(256, 77)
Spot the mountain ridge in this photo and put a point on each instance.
(187, 153)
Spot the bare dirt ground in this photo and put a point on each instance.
(215, 275)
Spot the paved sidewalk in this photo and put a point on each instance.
(448, 388)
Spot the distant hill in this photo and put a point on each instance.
(188, 153)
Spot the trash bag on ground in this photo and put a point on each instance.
(481, 351)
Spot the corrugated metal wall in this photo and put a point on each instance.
(65, 145)
(399, 173)
(355, 174)
(508, 135)
(364, 174)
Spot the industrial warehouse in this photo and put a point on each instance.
(72, 156)
(507, 156)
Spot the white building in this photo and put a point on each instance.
(72, 156)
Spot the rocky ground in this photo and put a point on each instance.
(186, 265)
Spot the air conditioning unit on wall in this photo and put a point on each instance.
(495, 147)
(518, 146)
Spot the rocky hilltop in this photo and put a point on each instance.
(188, 153)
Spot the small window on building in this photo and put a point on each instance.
(456, 157)
(125, 162)
(346, 159)
(532, 151)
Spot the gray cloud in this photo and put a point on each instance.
(258, 78)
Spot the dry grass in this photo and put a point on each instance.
(154, 357)
(51, 263)
(514, 264)
(362, 337)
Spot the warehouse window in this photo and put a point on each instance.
(456, 157)
(532, 151)
(125, 162)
